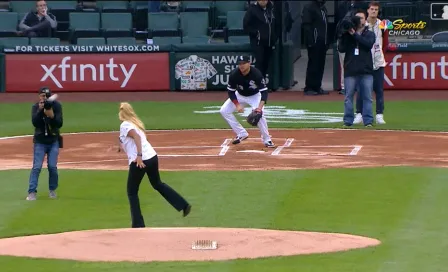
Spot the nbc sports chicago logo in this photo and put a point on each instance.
(401, 28)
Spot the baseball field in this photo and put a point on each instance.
(325, 199)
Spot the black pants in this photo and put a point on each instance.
(262, 56)
(316, 66)
(135, 177)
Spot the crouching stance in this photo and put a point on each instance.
(246, 87)
(143, 160)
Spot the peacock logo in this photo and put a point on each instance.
(386, 24)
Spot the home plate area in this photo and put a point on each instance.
(289, 147)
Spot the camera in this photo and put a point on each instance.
(348, 22)
(48, 104)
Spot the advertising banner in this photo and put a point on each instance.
(416, 71)
(51, 49)
(87, 72)
(206, 70)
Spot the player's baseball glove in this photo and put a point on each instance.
(254, 117)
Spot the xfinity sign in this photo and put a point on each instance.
(416, 70)
(77, 72)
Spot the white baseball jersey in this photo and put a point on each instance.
(377, 50)
(193, 73)
(129, 146)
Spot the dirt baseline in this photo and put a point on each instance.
(212, 150)
(175, 244)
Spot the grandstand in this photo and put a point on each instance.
(129, 22)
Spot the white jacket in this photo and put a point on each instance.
(377, 49)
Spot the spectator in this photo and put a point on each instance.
(343, 8)
(358, 66)
(315, 27)
(154, 6)
(264, 30)
(379, 62)
(38, 23)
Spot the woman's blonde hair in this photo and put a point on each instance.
(127, 113)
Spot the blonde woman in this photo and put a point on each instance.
(143, 160)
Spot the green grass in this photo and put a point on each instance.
(402, 207)
(168, 115)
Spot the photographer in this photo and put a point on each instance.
(344, 8)
(47, 120)
(356, 42)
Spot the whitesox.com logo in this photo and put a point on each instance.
(77, 72)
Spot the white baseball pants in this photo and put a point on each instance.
(228, 108)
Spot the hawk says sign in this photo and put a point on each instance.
(206, 70)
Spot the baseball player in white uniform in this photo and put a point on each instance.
(246, 87)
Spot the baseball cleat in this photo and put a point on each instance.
(269, 144)
(239, 139)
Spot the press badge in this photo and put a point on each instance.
(356, 51)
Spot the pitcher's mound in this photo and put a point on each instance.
(175, 244)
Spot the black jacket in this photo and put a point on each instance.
(261, 25)
(315, 24)
(363, 63)
(46, 130)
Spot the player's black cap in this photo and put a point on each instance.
(244, 59)
(46, 91)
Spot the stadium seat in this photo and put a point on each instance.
(196, 6)
(14, 41)
(166, 40)
(196, 40)
(91, 41)
(45, 41)
(163, 24)
(234, 24)
(22, 6)
(194, 24)
(121, 41)
(20, 16)
(238, 39)
(140, 14)
(117, 25)
(222, 7)
(8, 24)
(113, 6)
(83, 25)
(62, 9)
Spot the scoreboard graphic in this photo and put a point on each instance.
(439, 11)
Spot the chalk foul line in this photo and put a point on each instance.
(225, 147)
(279, 149)
(355, 150)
